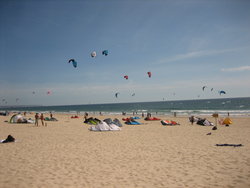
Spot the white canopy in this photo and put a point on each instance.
(103, 126)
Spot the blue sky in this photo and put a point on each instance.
(186, 44)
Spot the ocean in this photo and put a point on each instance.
(234, 106)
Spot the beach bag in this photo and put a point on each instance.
(214, 128)
(9, 139)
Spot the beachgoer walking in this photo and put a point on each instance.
(192, 120)
(42, 119)
(149, 115)
(86, 116)
(36, 119)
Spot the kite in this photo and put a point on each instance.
(33, 92)
(149, 74)
(48, 92)
(105, 52)
(203, 88)
(133, 94)
(74, 63)
(93, 54)
(222, 92)
(4, 101)
(116, 95)
(126, 77)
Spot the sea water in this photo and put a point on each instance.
(233, 106)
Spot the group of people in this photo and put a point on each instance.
(37, 117)
(41, 117)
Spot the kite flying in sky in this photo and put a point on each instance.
(149, 74)
(74, 63)
(116, 95)
(93, 54)
(105, 52)
(222, 92)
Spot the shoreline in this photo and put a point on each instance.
(227, 98)
(172, 114)
(204, 107)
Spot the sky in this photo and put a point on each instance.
(185, 44)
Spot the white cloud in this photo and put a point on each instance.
(236, 69)
(195, 54)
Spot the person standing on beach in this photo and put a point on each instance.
(192, 120)
(36, 119)
(86, 116)
(51, 115)
(42, 119)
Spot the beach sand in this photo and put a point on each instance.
(67, 154)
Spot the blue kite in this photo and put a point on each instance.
(74, 63)
(222, 92)
(105, 52)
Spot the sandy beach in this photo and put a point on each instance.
(67, 154)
